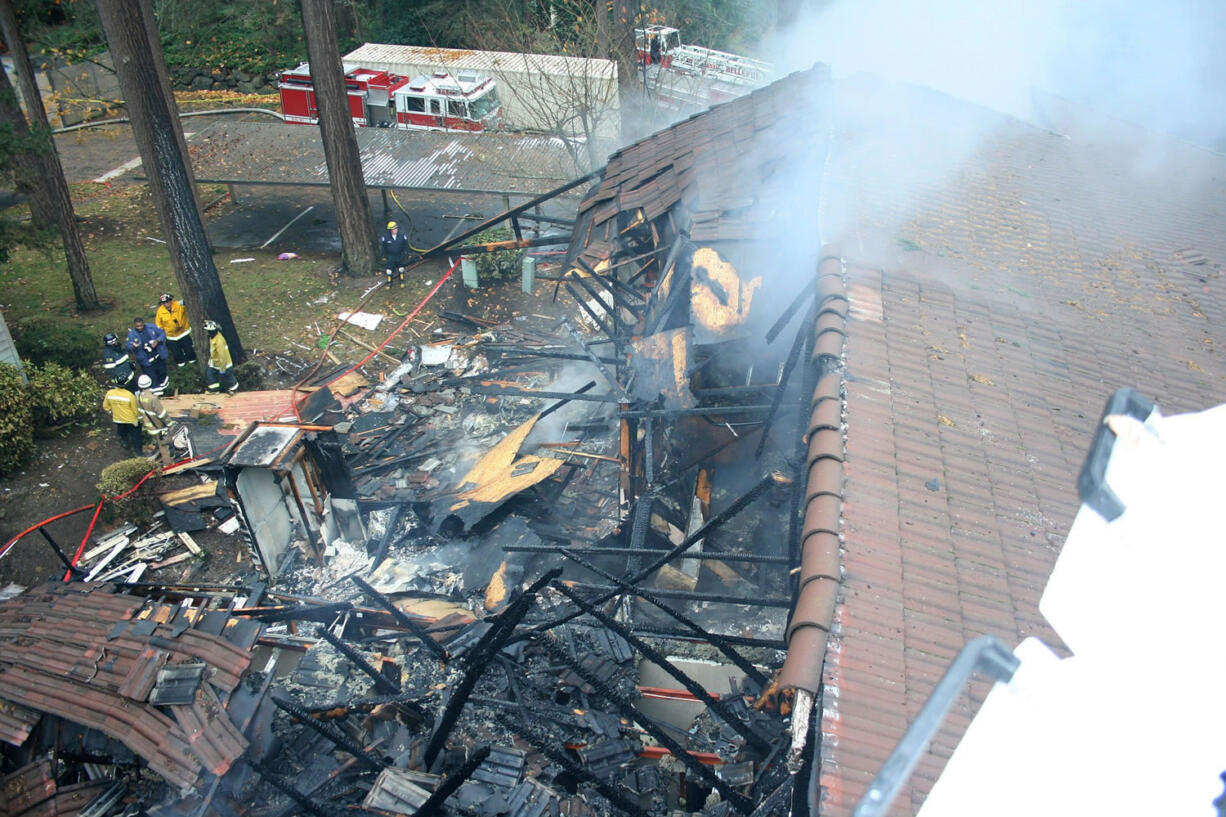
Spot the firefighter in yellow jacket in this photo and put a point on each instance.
(121, 404)
(171, 318)
(220, 371)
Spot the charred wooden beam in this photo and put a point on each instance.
(628, 710)
(477, 659)
(802, 334)
(712, 555)
(584, 281)
(651, 654)
(286, 787)
(611, 331)
(711, 524)
(381, 681)
(434, 802)
(447, 245)
(63, 557)
(329, 731)
(715, 639)
(509, 391)
(403, 620)
(586, 387)
(544, 219)
(603, 369)
(551, 750)
(689, 412)
(510, 349)
(738, 640)
(386, 539)
(640, 524)
(322, 613)
(797, 302)
(691, 595)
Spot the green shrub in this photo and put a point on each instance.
(57, 339)
(250, 375)
(185, 380)
(16, 419)
(60, 394)
(119, 477)
(497, 266)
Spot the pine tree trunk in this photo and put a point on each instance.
(54, 201)
(159, 61)
(353, 214)
(170, 183)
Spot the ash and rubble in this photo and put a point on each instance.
(535, 570)
(498, 699)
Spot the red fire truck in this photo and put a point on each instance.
(661, 46)
(380, 99)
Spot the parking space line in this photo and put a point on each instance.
(287, 226)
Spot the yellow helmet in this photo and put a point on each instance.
(391, 225)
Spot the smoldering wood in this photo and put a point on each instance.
(409, 624)
(332, 733)
(628, 710)
(651, 654)
(718, 641)
(358, 660)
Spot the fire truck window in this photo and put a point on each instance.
(414, 104)
(455, 107)
(483, 106)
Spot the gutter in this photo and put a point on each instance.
(820, 562)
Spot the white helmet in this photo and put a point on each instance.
(144, 381)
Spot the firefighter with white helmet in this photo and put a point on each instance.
(171, 318)
(395, 251)
(153, 415)
(220, 370)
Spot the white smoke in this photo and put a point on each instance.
(1157, 66)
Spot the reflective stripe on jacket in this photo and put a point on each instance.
(121, 403)
(153, 413)
(219, 353)
(171, 318)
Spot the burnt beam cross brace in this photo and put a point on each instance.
(693, 687)
(628, 710)
(384, 683)
(711, 524)
(404, 621)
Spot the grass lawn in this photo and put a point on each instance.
(278, 307)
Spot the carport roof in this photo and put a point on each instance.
(241, 152)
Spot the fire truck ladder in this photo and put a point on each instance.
(707, 62)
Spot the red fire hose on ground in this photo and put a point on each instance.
(97, 508)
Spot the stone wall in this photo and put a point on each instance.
(221, 79)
